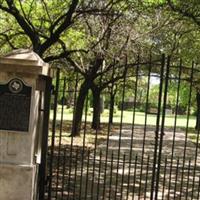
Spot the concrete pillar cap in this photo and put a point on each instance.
(27, 59)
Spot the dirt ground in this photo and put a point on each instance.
(121, 166)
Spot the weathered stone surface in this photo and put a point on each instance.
(23, 61)
(20, 149)
(16, 182)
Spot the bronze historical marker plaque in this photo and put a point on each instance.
(15, 103)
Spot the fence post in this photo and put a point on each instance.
(45, 131)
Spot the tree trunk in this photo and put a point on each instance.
(198, 111)
(79, 106)
(112, 104)
(96, 108)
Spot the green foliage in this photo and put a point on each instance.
(154, 1)
(183, 96)
(139, 27)
(75, 39)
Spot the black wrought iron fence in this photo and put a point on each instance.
(149, 150)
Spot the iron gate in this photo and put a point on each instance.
(149, 150)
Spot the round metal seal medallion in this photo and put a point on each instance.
(16, 86)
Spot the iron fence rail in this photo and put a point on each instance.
(134, 159)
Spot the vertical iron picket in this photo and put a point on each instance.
(162, 129)
(188, 179)
(51, 160)
(120, 134)
(145, 126)
(157, 128)
(111, 170)
(198, 193)
(122, 182)
(176, 177)
(108, 141)
(60, 137)
(132, 127)
(71, 142)
(99, 165)
(164, 178)
(174, 130)
(187, 127)
(134, 177)
(84, 150)
(146, 180)
(87, 175)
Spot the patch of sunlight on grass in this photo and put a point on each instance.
(127, 117)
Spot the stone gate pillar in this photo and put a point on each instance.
(20, 124)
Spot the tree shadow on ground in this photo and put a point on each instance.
(119, 169)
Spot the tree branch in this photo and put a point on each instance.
(25, 17)
(22, 22)
(63, 55)
(75, 65)
(8, 40)
(113, 80)
(184, 12)
(64, 25)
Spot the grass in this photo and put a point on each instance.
(86, 143)
(127, 118)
